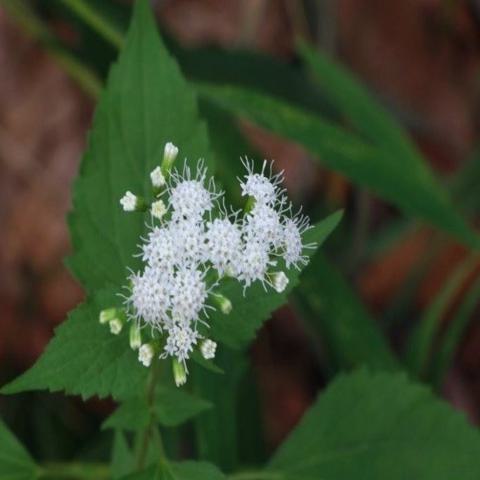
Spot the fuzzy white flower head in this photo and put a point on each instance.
(129, 202)
(264, 189)
(189, 238)
(157, 178)
(158, 209)
(253, 263)
(263, 225)
(223, 244)
(160, 249)
(150, 297)
(208, 348)
(145, 354)
(189, 197)
(180, 342)
(189, 293)
(292, 241)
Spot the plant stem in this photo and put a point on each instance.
(151, 430)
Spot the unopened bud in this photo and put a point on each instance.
(132, 203)
(157, 178)
(179, 373)
(135, 337)
(116, 325)
(158, 209)
(107, 315)
(146, 353)
(223, 303)
(208, 348)
(278, 280)
(170, 153)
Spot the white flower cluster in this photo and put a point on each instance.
(193, 243)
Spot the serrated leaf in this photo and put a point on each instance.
(146, 103)
(15, 462)
(238, 328)
(84, 358)
(349, 334)
(376, 427)
(412, 187)
(171, 408)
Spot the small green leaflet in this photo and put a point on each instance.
(172, 407)
(180, 471)
(379, 426)
(146, 103)
(15, 461)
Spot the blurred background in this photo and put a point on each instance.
(419, 58)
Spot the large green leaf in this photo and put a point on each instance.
(15, 461)
(376, 427)
(146, 103)
(85, 359)
(409, 185)
(171, 408)
(180, 471)
(349, 334)
(249, 312)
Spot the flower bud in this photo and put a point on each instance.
(157, 178)
(116, 325)
(179, 373)
(107, 315)
(223, 303)
(132, 203)
(170, 153)
(158, 209)
(146, 353)
(135, 337)
(278, 280)
(208, 348)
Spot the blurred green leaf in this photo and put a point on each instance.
(123, 460)
(455, 333)
(348, 333)
(379, 426)
(15, 461)
(419, 347)
(411, 186)
(146, 103)
(84, 358)
(171, 408)
(180, 471)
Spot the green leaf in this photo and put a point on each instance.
(123, 460)
(376, 427)
(85, 359)
(349, 335)
(420, 344)
(180, 471)
(411, 186)
(368, 117)
(172, 407)
(146, 103)
(15, 461)
(238, 328)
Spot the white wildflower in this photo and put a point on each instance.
(260, 187)
(158, 209)
(223, 244)
(180, 342)
(160, 249)
(130, 202)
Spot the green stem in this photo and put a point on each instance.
(151, 431)
(96, 21)
(74, 471)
